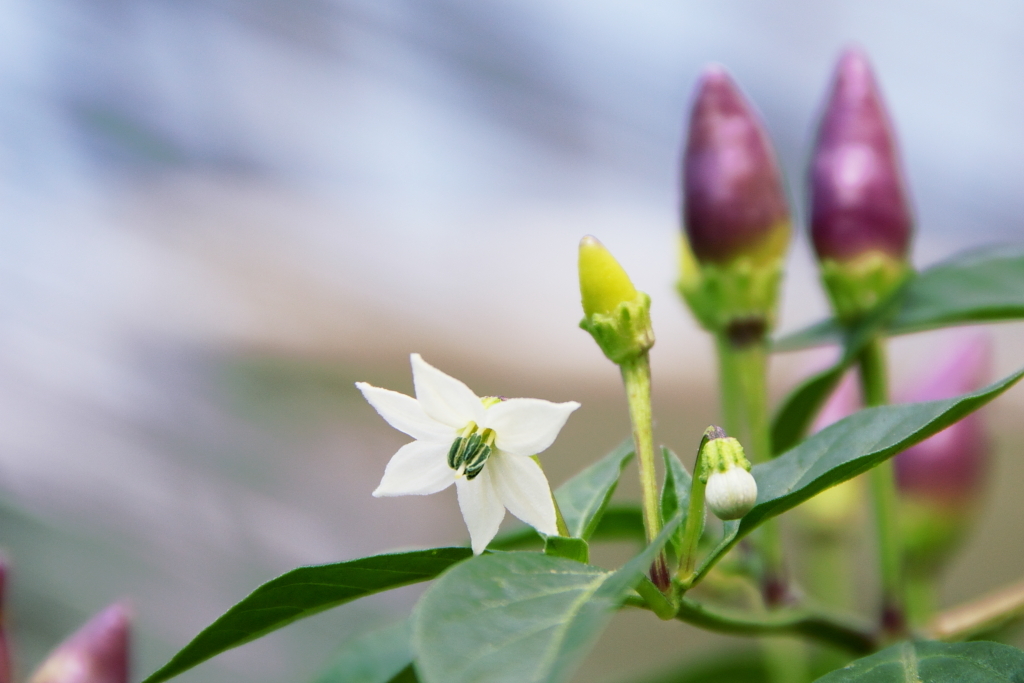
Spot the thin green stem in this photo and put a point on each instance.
(875, 386)
(921, 598)
(744, 379)
(636, 375)
(821, 626)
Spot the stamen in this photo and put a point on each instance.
(470, 450)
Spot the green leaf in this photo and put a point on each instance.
(380, 656)
(675, 494)
(981, 285)
(844, 450)
(582, 501)
(933, 662)
(731, 666)
(519, 617)
(570, 548)
(799, 408)
(583, 498)
(304, 592)
(623, 522)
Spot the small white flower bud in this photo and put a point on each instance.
(730, 494)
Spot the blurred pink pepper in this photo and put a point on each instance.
(941, 479)
(96, 653)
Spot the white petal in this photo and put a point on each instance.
(444, 398)
(405, 414)
(527, 426)
(417, 469)
(524, 490)
(481, 508)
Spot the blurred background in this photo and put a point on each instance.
(216, 215)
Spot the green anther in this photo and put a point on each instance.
(470, 450)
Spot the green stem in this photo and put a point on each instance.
(921, 598)
(821, 626)
(744, 379)
(875, 386)
(636, 375)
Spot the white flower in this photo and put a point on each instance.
(730, 494)
(483, 446)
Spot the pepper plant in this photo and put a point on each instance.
(528, 605)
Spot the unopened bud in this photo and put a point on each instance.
(730, 490)
(860, 213)
(615, 313)
(735, 215)
(733, 198)
(941, 478)
(96, 653)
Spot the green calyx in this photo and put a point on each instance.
(469, 452)
(858, 285)
(932, 530)
(720, 453)
(738, 296)
(624, 333)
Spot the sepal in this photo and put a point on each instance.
(741, 294)
(626, 332)
(858, 285)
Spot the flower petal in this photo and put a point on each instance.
(481, 508)
(405, 414)
(417, 469)
(522, 487)
(527, 426)
(444, 398)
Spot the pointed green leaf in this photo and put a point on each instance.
(519, 617)
(845, 449)
(304, 592)
(583, 498)
(933, 662)
(675, 494)
(799, 408)
(981, 285)
(623, 522)
(570, 548)
(376, 657)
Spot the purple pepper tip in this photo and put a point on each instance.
(734, 203)
(859, 201)
(96, 653)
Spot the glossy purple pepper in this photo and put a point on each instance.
(733, 198)
(859, 200)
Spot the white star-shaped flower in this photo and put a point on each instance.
(482, 445)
